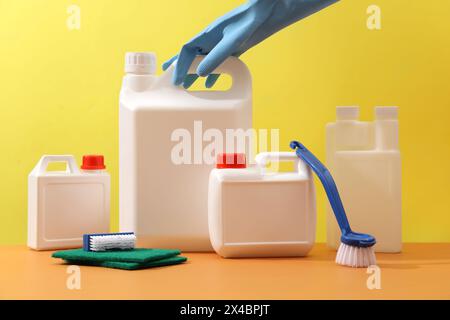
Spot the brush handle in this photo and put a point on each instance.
(327, 182)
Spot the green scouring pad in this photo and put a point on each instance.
(131, 265)
(122, 259)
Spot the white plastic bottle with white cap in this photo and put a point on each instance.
(364, 159)
(163, 192)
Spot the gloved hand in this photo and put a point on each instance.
(236, 32)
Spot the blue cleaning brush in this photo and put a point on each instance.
(356, 249)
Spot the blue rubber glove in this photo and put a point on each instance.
(236, 32)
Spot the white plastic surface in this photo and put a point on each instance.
(364, 159)
(165, 203)
(64, 205)
(253, 213)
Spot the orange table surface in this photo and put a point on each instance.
(421, 271)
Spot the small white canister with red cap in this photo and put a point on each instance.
(254, 212)
(64, 205)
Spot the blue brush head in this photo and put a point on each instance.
(356, 239)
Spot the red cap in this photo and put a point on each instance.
(93, 162)
(231, 161)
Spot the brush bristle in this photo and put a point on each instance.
(355, 257)
(112, 242)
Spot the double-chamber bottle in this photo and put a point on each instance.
(166, 134)
(364, 159)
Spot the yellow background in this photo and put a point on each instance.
(59, 88)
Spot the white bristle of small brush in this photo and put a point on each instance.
(111, 242)
(355, 257)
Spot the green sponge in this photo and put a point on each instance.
(131, 265)
(122, 259)
(135, 255)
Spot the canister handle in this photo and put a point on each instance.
(71, 168)
(241, 77)
(264, 158)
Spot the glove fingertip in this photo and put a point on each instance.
(178, 76)
(189, 80)
(204, 68)
(169, 62)
(211, 80)
(177, 79)
(165, 65)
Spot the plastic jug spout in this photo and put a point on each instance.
(140, 69)
(347, 113)
(386, 128)
(139, 83)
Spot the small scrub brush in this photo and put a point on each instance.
(109, 241)
(356, 249)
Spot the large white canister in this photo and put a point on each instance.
(165, 150)
(64, 205)
(364, 159)
(257, 213)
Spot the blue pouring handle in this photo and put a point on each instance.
(348, 236)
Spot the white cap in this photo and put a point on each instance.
(140, 62)
(347, 113)
(386, 113)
